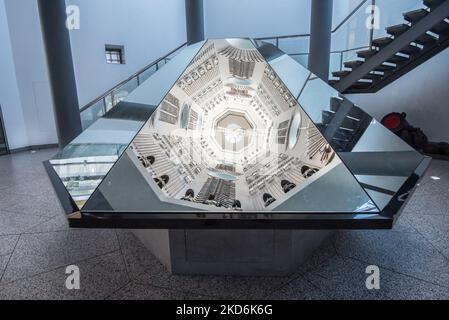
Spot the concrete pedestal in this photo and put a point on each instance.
(232, 252)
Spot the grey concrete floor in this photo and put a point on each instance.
(36, 245)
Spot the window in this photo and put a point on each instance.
(115, 54)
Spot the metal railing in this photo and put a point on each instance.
(346, 19)
(105, 102)
(336, 55)
(343, 48)
(357, 17)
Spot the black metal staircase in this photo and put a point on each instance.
(343, 123)
(424, 33)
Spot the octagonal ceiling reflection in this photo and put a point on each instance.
(230, 135)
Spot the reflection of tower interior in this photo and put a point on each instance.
(230, 135)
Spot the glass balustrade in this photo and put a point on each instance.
(390, 13)
(99, 107)
(355, 24)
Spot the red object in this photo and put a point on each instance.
(392, 121)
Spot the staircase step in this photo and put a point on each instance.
(372, 76)
(382, 42)
(333, 82)
(349, 123)
(327, 117)
(384, 68)
(432, 4)
(411, 49)
(415, 15)
(441, 28)
(426, 39)
(397, 59)
(335, 104)
(357, 113)
(366, 53)
(361, 85)
(397, 30)
(353, 64)
(341, 74)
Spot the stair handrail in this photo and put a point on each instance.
(136, 74)
(341, 24)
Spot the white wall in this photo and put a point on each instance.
(9, 92)
(147, 29)
(423, 94)
(256, 18)
(30, 69)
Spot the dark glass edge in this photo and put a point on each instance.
(65, 199)
(268, 220)
(405, 193)
(207, 221)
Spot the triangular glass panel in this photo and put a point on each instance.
(382, 163)
(235, 133)
(230, 137)
(83, 164)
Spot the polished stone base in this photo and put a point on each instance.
(232, 252)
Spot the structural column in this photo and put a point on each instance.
(60, 69)
(194, 21)
(320, 38)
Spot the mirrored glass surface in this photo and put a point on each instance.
(380, 160)
(231, 136)
(83, 164)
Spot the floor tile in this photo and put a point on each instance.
(36, 185)
(138, 259)
(404, 252)
(432, 204)
(298, 289)
(37, 253)
(325, 252)
(413, 257)
(345, 278)
(3, 263)
(437, 168)
(57, 223)
(434, 228)
(45, 205)
(99, 278)
(16, 223)
(136, 291)
(440, 186)
(228, 287)
(7, 244)
(157, 275)
(145, 269)
(403, 224)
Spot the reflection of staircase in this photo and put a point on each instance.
(343, 124)
(424, 34)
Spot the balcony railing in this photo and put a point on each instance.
(98, 107)
(366, 22)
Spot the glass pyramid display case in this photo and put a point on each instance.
(233, 133)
